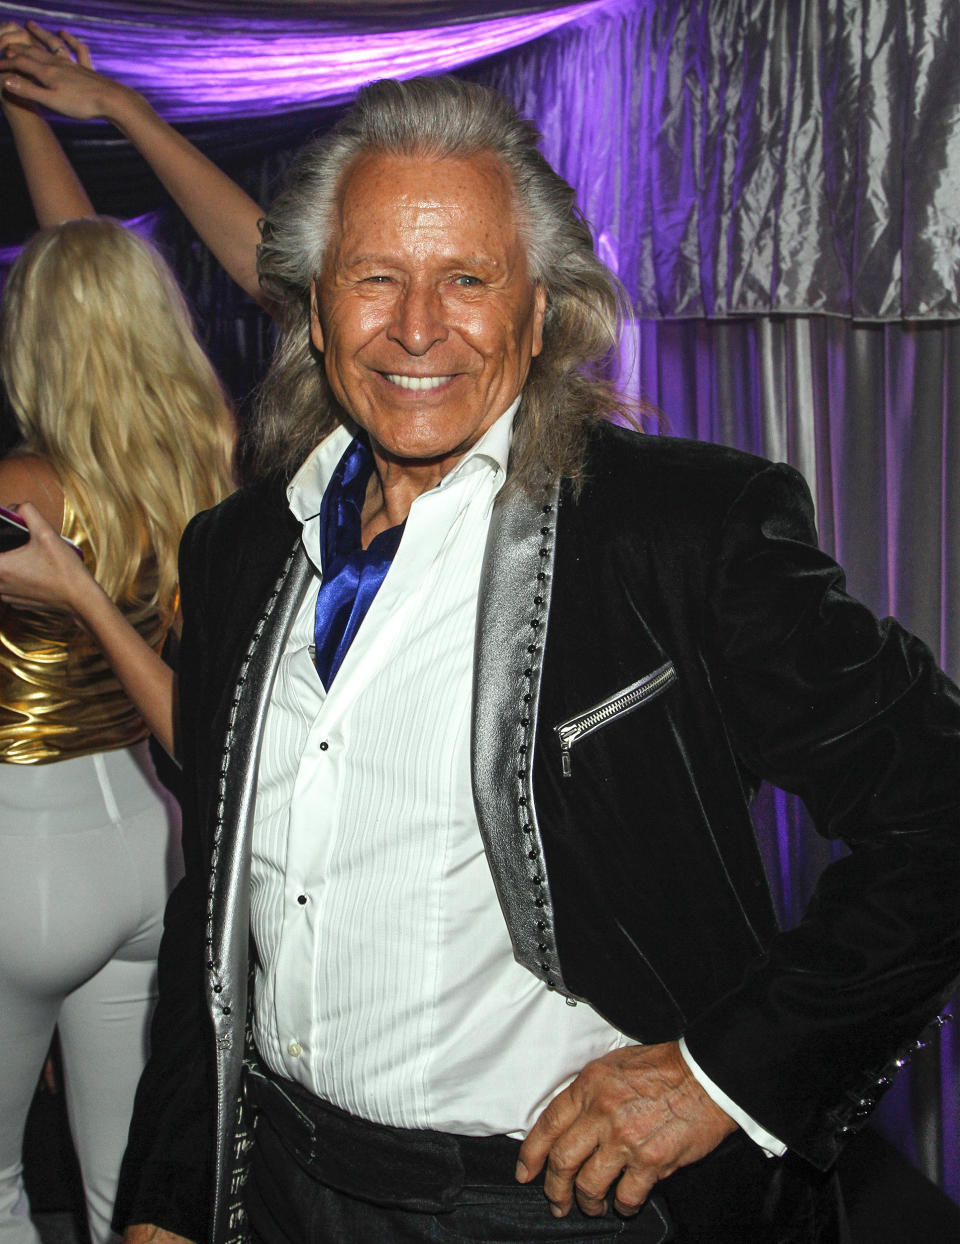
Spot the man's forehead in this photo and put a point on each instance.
(463, 205)
(406, 181)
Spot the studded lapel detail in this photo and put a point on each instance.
(228, 899)
(514, 604)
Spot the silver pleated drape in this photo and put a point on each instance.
(745, 156)
(870, 413)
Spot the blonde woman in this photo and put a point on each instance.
(125, 435)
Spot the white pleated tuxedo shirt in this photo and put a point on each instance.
(386, 981)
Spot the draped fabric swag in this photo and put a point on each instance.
(734, 156)
(767, 177)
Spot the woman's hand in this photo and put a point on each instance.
(13, 36)
(54, 70)
(44, 572)
(223, 214)
(26, 56)
(62, 44)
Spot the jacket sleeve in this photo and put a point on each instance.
(853, 715)
(166, 1172)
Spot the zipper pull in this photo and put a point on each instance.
(566, 736)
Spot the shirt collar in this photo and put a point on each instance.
(305, 491)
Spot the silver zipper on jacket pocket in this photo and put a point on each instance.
(648, 688)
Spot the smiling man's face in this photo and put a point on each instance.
(425, 311)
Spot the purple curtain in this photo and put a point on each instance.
(794, 164)
(870, 413)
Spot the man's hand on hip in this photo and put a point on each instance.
(635, 1115)
(147, 1233)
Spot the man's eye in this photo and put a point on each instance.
(466, 280)
(378, 279)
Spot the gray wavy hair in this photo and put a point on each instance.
(566, 392)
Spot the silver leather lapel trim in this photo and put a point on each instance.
(515, 587)
(228, 898)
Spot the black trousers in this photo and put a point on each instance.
(321, 1176)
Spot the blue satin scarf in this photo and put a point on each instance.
(351, 575)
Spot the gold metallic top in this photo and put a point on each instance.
(58, 696)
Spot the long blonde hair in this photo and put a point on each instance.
(108, 383)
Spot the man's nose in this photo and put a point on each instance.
(419, 322)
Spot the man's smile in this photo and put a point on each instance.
(416, 382)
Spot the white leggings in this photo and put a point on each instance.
(89, 850)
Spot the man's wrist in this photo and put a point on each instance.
(147, 1233)
(769, 1143)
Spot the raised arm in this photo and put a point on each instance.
(224, 216)
(46, 572)
(55, 189)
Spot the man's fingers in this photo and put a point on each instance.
(601, 1171)
(593, 1207)
(596, 1178)
(633, 1188)
(593, 1180)
(602, 1178)
(614, 1173)
(553, 1122)
(576, 1167)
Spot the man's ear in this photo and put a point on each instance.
(316, 328)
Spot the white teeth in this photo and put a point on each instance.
(417, 382)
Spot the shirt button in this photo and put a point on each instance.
(295, 1049)
(324, 745)
(301, 899)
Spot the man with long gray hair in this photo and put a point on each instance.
(476, 688)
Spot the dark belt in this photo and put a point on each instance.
(397, 1166)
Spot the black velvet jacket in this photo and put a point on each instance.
(679, 620)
